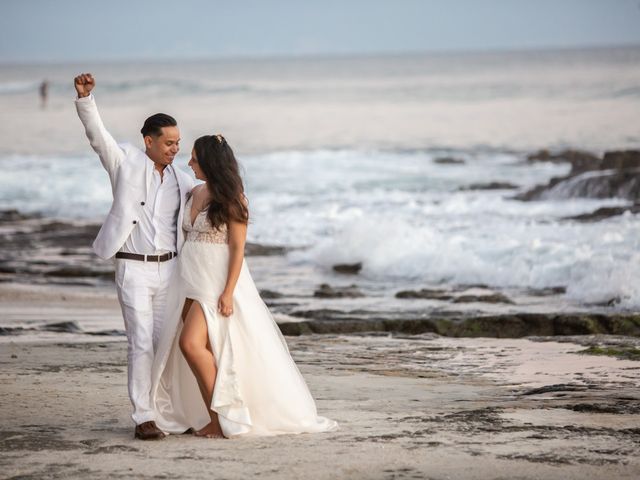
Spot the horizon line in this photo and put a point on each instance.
(319, 55)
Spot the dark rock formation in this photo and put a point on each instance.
(621, 159)
(491, 298)
(489, 186)
(557, 387)
(430, 294)
(496, 326)
(543, 292)
(580, 161)
(65, 327)
(604, 212)
(538, 192)
(624, 183)
(449, 161)
(108, 333)
(73, 271)
(620, 407)
(257, 250)
(616, 175)
(327, 291)
(425, 293)
(54, 251)
(348, 268)
(58, 327)
(270, 294)
(13, 215)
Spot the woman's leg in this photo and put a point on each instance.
(185, 311)
(195, 346)
(185, 308)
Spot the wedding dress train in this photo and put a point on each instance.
(259, 389)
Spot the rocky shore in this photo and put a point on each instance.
(456, 325)
(49, 251)
(52, 252)
(614, 175)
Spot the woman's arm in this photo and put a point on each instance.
(237, 238)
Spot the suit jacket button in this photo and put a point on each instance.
(135, 221)
(141, 203)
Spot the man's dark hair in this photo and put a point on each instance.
(153, 125)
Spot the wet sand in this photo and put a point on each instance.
(420, 406)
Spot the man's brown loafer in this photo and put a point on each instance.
(149, 431)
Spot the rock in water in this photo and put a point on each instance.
(492, 298)
(463, 325)
(621, 159)
(73, 271)
(489, 186)
(270, 294)
(13, 215)
(257, 250)
(348, 268)
(614, 176)
(604, 212)
(623, 183)
(449, 161)
(425, 293)
(64, 327)
(542, 292)
(327, 291)
(580, 161)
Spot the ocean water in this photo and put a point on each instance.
(339, 158)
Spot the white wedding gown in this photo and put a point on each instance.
(259, 389)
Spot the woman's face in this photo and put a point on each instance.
(195, 166)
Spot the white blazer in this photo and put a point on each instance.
(130, 174)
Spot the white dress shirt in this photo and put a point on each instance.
(155, 231)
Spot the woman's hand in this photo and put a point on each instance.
(225, 304)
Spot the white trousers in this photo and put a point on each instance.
(142, 291)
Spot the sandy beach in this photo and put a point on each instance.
(420, 406)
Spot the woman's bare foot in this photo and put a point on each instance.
(211, 430)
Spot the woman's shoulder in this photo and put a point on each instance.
(197, 188)
(198, 191)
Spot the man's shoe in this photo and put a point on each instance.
(149, 431)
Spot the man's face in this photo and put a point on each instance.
(164, 148)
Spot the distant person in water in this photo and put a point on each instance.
(142, 231)
(44, 93)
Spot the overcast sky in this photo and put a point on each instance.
(70, 30)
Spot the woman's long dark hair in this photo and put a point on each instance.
(220, 167)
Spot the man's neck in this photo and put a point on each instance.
(158, 166)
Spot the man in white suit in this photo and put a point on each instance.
(143, 231)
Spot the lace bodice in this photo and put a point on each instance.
(201, 230)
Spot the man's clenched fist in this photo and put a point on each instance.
(84, 83)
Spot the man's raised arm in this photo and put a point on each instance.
(100, 139)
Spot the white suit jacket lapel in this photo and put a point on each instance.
(149, 166)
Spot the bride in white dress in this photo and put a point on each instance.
(222, 366)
